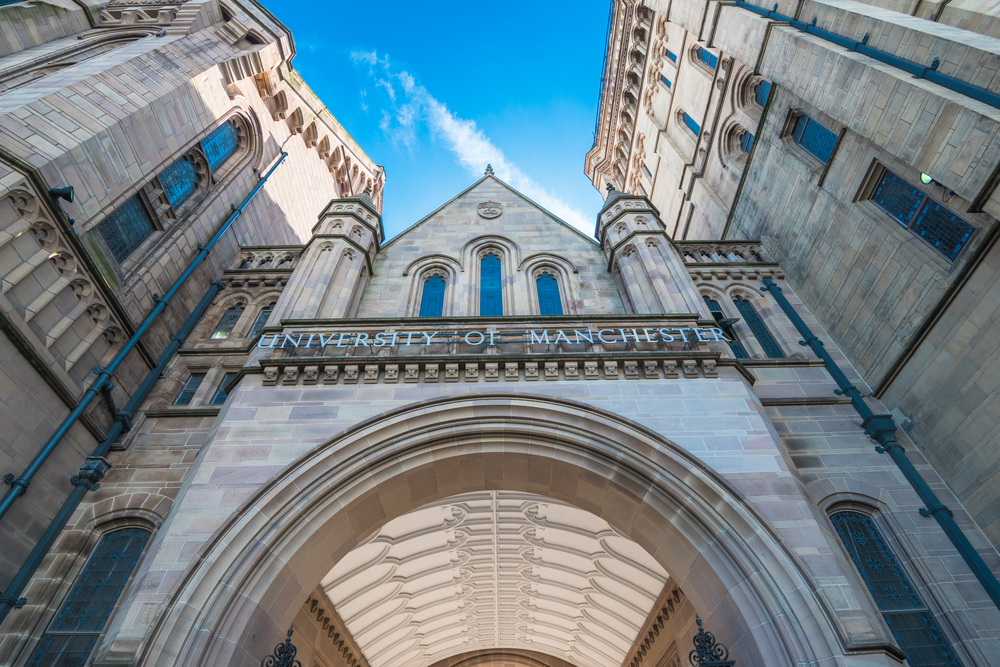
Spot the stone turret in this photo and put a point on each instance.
(335, 267)
(647, 268)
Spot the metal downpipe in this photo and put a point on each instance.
(882, 429)
(20, 484)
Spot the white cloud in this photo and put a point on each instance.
(471, 147)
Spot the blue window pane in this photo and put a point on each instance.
(220, 145)
(746, 142)
(261, 321)
(759, 329)
(178, 181)
(228, 321)
(190, 387)
(905, 612)
(707, 57)
(761, 91)
(815, 138)
(126, 228)
(549, 302)
(897, 198)
(432, 300)
(666, 81)
(646, 169)
(220, 393)
(672, 56)
(693, 126)
(735, 345)
(490, 287)
(942, 229)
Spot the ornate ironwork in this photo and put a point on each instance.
(708, 652)
(284, 654)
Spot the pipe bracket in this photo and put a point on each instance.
(16, 603)
(10, 480)
(929, 512)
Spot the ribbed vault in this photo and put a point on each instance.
(495, 570)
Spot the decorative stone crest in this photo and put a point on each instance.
(490, 209)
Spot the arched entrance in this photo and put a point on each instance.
(738, 572)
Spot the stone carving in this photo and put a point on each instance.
(371, 374)
(291, 375)
(490, 210)
(412, 373)
(492, 372)
(472, 372)
(611, 370)
(350, 374)
(551, 370)
(510, 371)
(690, 368)
(572, 370)
(391, 374)
(310, 375)
(431, 372)
(531, 370)
(330, 374)
(270, 376)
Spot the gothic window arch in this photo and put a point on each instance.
(432, 295)
(912, 623)
(83, 614)
(735, 143)
(756, 324)
(726, 324)
(227, 323)
(261, 320)
(549, 300)
(490, 284)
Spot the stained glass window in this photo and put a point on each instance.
(179, 181)
(746, 142)
(490, 287)
(228, 321)
(759, 329)
(261, 321)
(190, 387)
(126, 228)
(735, 345)
(926, 218)
(905, 612)
(815, 138)
(432, 299)
(707, 57)
(761, 91)
(220, 393)
(220, 145)
(693, 126)
(81, 618)
(549, 302)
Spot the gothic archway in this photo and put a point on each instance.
(261, 565)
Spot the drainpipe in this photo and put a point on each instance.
(96, 465)
(882, 429)
(20, 485)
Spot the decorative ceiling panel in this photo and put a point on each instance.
(495, 569)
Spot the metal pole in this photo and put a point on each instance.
(20, 484)
(882, 429)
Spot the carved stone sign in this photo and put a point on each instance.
(490, 209)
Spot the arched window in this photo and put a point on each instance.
(549, 302)
(746, 142)
(261, 321)
(80, 620)
(245, 264)
(764, 337)
(726, 325)
(432, 299)
(179, 181)
(228, 321)
(761, 91)
(904, 611)
(490, 287)
(126, 228)
(220, 145)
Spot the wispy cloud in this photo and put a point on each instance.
(469, 144)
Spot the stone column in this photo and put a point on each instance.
(635, 241)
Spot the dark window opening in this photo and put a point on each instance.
(549, 302)
(126, 228)
(261, 321)
(707, 57)
(220, 393)
(671, 56)
(432, 299)
(923, 216)
(904, 611)
(735, 345)
(761, 91)
(490, 287)
(815, 138)
(693, 126)
(228, 321)
(759, 329)
(189, 389)
(746, 142)
(665, 81)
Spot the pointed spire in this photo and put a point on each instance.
(489, 170)
(612, 194)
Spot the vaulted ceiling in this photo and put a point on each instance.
(495, 570)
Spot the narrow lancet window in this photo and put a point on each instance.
(490, 287)
(904, 611)
(126, 228)
(726, 325)
(228, 321)
(261, 320)
(179, 181)
(432, 299)
(220, 145)
(81, 618)
(549, 302)
(759, 329)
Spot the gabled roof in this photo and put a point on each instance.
(474, 186)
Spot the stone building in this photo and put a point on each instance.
(490, 441)
(858, 142)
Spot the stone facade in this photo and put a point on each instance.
(703, 110)
(639, 406)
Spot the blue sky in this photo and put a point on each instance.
(434, 91)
